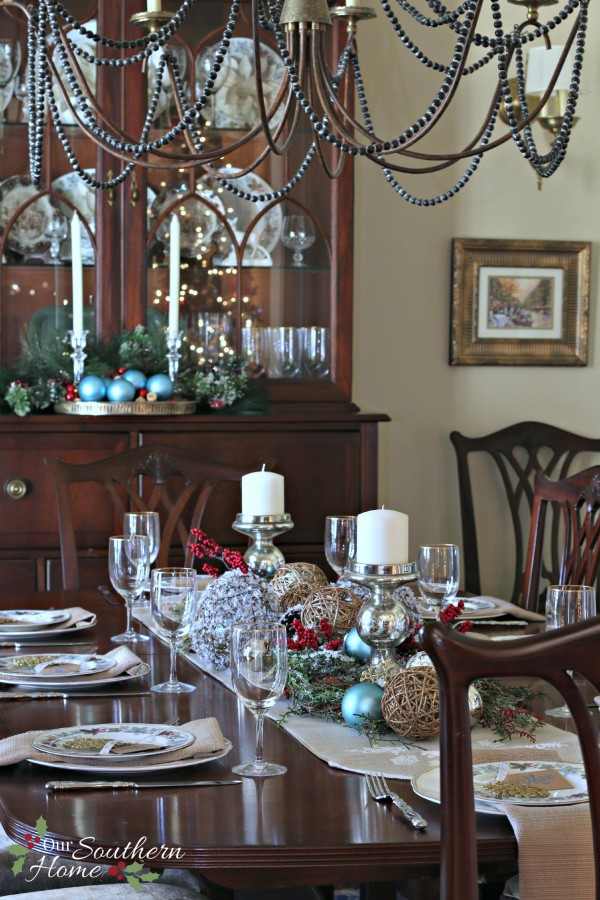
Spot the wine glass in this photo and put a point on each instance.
(57, 230)
(148, 523)
(128, 567)
(297, 234)
(340, 541)
(174, 601)
(258, 674)
(438, 570)
(566, 604)
(316, 351)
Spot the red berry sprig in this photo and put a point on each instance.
(205, 547)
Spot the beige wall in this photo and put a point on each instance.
(402, 303)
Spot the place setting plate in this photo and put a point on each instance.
(121, 740)
(48, 630)
(23, 621)
(565, 782)
(140, 768)
(475, 608)
(50, 667)
(79, 684)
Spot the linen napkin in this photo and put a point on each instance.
(208, 739)
(124, 662)
(79, 618)
(556, 851)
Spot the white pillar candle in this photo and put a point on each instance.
(174, 270)
(262, 494)
(77, 275)
(382, 537)
(153, 5)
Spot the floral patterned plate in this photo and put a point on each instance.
(55, 665)
(117, 739)
(24, 620)
(29, 233)
(76, 684)
(138, 769)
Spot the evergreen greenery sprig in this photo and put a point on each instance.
(506, 709)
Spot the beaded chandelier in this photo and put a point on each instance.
(314, 99)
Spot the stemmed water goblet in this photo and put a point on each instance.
(340, 541)
(145, 522)
(128, 568)
(258, 674)
(174, 601)
(438, 569)
(298, 234)
(565, 605)
(10, 60)
(57, 230)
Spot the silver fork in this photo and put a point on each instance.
(174, 720)
(379, 790)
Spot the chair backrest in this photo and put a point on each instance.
(459, 660)
(518, 451)
(572, 534)
(175, 483)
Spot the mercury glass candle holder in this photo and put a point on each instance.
(262, 556)
(78, 355)
(382, 621)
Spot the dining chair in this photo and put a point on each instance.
(573, 534)
(518, 451)
(458, 660)
(175, 483)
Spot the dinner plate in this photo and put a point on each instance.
(25, 620)
(92, 741)
(124, 769)
(475, 608)
(35, 666)
(29, 233)
(233, 103)
(264, 236)
(50, 631)
(80, 684)
(536, 773)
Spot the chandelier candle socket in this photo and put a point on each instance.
(382, 537)
(77, 276)
(263, 494)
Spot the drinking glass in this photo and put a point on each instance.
(128, 567)
(286, 354)
(316, 351)
(258, 674)
(340, 541)
(255, 350)
(438, 570)
(297, 234)
(174, 602)
(148, 523)
(10, 60)
(566, 604)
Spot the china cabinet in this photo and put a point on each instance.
(270, 281)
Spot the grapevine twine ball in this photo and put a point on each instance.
(292, 574)
(361, 703)
(338, 606)
(411, 703)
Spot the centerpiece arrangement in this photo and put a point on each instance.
(329, 673)
(126, 374)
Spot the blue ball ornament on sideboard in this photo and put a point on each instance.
(91, 389)
(362, 702)
(137, 378)
(161, 385)
(120, 391)
(355, 647)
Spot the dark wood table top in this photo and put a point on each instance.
(313, 825)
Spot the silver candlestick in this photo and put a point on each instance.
(78, 356)
(262, 556)
(173, 354)
(382, 622)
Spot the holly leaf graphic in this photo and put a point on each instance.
(149, 876)
(134, 867)
(17, 866)
(17, 850)
(41, 826)
(135, 883)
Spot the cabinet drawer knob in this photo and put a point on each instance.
(16, 488)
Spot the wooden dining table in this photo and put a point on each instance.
(315, 825)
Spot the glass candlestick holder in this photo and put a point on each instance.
(173, 354)
(382, 622)
(262, 555)
(78, 355)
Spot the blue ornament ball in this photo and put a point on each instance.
(120, 391)
(362, 702)
(356, 647)
(137, 378)
(91, 388)
(161, 385)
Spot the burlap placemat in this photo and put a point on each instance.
(208, 739)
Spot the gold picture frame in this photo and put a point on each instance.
(519, 303)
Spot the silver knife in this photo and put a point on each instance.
(64, 695)
(131, 785)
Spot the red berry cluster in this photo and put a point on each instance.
(451, 612)
(32, 841)
(70, 393)
(117, 870)
(206, 547)
(308, 639)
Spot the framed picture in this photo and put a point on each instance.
(519, 303)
